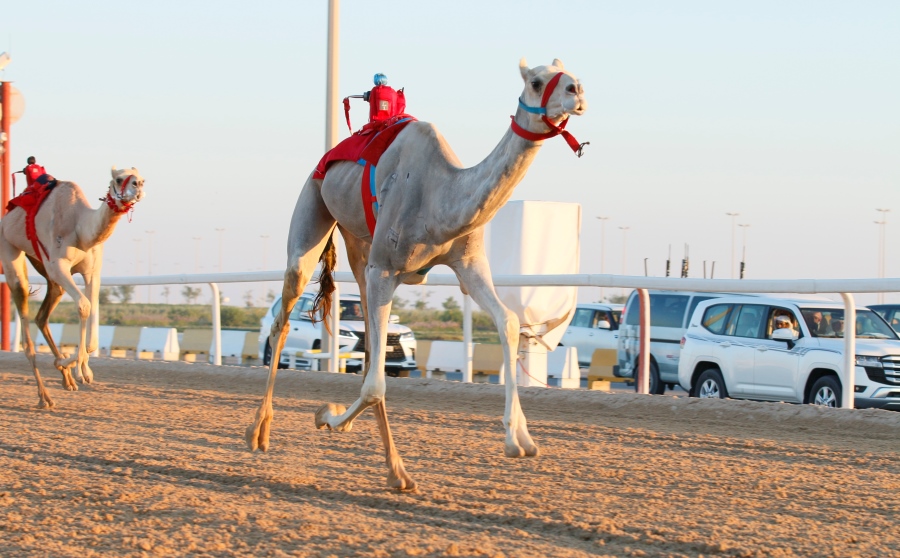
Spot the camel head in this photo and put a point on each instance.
(566, 97)
(125, 189)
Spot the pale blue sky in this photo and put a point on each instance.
(786, 112)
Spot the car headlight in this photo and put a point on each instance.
(408, 335)
(347, 333)
(868, 361)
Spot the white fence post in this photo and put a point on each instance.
(848, 389)
(217, 325)
(643, 371)
(467, 338)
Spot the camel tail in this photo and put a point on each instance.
(322, 301)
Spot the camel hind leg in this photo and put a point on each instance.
(17, 278)
(311, 227)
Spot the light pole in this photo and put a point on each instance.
(882, 240)
(624, 248)
(220, 231)
(732, 215)
(137, 258)
(197, 240)
(744, 227)
(602, 249)
(265, 240)
(149, 260)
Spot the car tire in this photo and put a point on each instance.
(710, 385)
(267, 354)
(826, 392)
(656, 387)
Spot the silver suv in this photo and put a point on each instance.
(669, 312)
(775, 349)
(304, 335)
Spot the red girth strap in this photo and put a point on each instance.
(555, 130)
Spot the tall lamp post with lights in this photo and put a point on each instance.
(733, 216)
(12, 105)
(882, 240)
(602, 249)
(744, 227)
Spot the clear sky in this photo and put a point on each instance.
(784, 112)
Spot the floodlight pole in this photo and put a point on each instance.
(5, 122)
(332, 123)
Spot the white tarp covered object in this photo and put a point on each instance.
(537, 237)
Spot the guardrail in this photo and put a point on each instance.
(844, 287)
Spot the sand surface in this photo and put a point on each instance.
(150, 460)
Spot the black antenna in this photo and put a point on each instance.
(669, 260)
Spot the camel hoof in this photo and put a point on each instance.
(402, 483)
(328, 411)
(256, 437)
(513, 451)
(46, 404)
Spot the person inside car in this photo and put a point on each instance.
(837, 326)
(782, 322)
(814, 321)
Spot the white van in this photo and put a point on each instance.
(669, 313)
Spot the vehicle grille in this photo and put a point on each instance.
(394, 349)
(891, 365)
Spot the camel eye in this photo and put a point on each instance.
(571, 88)
(536, 84)
(119, 181)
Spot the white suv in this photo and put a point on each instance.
(594, 326)
(304, 335)
(734, 347)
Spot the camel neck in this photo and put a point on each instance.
(487, 186)
(97, 226)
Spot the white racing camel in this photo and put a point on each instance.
(431, 211)
(70, 234)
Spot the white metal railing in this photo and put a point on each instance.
(844, 287)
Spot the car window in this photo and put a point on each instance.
(302, 308)
(617, 316)
(583, 317)
(695, 301)
(666, 310)
(717, 317)
(749, 323)
(351, 311)
(777, 312)
(869, 325)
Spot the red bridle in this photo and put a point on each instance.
(111, 202)
(555, 130)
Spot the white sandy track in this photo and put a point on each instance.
(151, 460)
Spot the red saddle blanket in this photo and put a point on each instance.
(30, 201)
(366, 147)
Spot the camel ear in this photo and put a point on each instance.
(558, 63)
(114, 171)
(524, 69)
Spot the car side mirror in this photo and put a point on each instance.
(394, 319)
(603, 324)
(785, 334)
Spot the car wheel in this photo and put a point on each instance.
(267, 354)
(656, 387)
(710, 385)
(826, 392)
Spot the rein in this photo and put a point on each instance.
(555, 130)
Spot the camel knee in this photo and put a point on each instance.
(510, 325)
(84, 308)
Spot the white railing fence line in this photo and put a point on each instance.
(843, 287)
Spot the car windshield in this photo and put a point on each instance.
(351, 311)
(829, 322)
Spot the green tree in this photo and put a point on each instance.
(190, 294)
(124, 293)
(399, 303)
(104, 296)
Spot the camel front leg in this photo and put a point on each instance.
(90, 336)
(59, 272)
(475, 277)
(380, 287)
